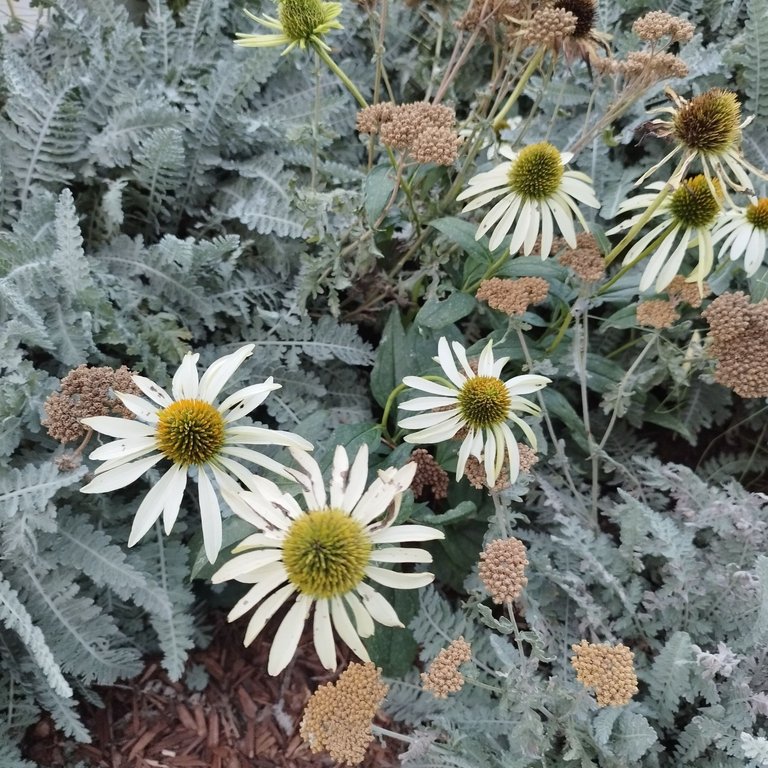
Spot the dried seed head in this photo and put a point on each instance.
(337, 717)
(656, 25)
(86, 391)
(586, 260)
(502, 569)
(430, 477)
(657, 313)
(443, 676)
(650, 67)
(438, 145)
(369, 119)
(585, 12)
(709, 123)
(609, 670)
(738, 332)
(682, 292)
(408, 121)
(513, 297)
(549, 26)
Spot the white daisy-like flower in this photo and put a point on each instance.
(744, 232)
(687, 217)
(191, 432)
(479, 403)
(537, 194)
(323, 553)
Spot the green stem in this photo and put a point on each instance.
(561, 331)
(339, 72)
(398, 389)
(638, 225)
(525, 76)
(623, 271)
(490, 272)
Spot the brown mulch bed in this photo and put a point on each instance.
(243, 718)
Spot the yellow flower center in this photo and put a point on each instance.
(484, 401)
(757, 213)
(537, 172)
(190, 432)
(300, 18)
(584, 11)
(693, 204)
(709, 123)
(325, 553)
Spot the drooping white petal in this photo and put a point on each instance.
(151, 507)
(339, 476)
(378, 606)
(672, 267)
(547, 230)
(220, 372)
(322, 634)
(527, 431)
(447, 363)
(257, 541)
(521, 230)
(270, 578)
(363, 621)
(505, 223)
(395, 534)
(121, 476)
(345, 630)
(423, 403)
(122, 449)
(513, 452)
(210, 515)
(533, 228)
(464, 449)
(358, 478)
(400, 555)
(382, 491)
(265, 612)
(241, 404)
(429, 419)
(173, 496)
(489, 456)
(245, 563)
(184, 385)
(442, 431)
(153, 391)
(398, 580)
(257, 457)
(114, 427)
(425, 385)
(485, 363)
(311, 483)
(498, 210)
(526, 384)
(138, 405)
(264, 436)
(287, 637)
(564, 221)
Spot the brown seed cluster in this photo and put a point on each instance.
(474, 471)
(585, 260)
(549, 26)
(502, 569)
(86, 391)
(682, 292)
(608, 669)
(426, 131)
(488, 13)
(738, 332)
(430, 477)
(443, 676)
(656, 25)
(337, 718)
(643, 68)
(657, 313)
(513, 297)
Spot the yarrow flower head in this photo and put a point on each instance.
(298, 22)
(195, 435)
(537, 194)
(608, 669)
(707, 129)
(479, 403)
(322, 554)
(744, 232)
(443, 677)
(687, 217)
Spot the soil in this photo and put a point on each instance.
(243, 718)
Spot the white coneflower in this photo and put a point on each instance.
(322, 554)
(480, 403)
(744, 232)
(687, 217)
(298, 22)
(191, 432)
(537, 194)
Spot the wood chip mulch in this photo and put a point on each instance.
(242, 719)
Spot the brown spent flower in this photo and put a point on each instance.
(481, 13)
(429, 477)
(652, 66)
(86, 391)
(436, 145)
(655, 25)
(549, 26)
(337, 717)
(585, 260)
(657, 313)
(408, 121)
(513, 297)
(443, 676)
(502, 569)
(370, 119)
(682, 292)
(608, 669)
(738, 332)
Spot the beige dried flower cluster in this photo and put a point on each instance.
(425, 131)
(549, 26)
(513, 297)
(443, 676)
(474, 471)
(502, 569)
(663, 313)
(337, 717)
(488, 13)
(86, 391)
(608, 669)
(585, 260)
(738, 333)
(430, 477)
(656, 25)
